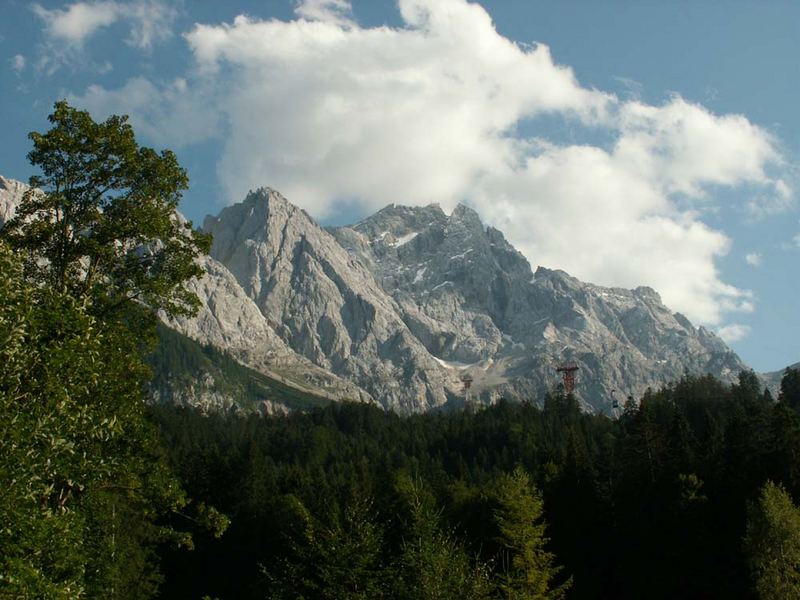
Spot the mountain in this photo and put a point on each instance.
(397, 308)
(773, 379)
(272, 377)
(229, 319)
(188, 373)
(475, 303)
(324, 303)
(407, 301)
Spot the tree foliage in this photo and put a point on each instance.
(87, 496)
(772, 543)
(340, 561)
(79, 460)
(790, 388)
(528, 566)
(432, 564)
(100, 222)
(652, 505)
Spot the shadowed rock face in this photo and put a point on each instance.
(397, 307)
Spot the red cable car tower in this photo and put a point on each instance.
(567, 371)
(467, 380)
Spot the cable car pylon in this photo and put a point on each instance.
(568, 371)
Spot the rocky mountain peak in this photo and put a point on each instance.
(558, 281)
(323, 301)
(397, 307)
(465, 217)
(648, 294)
(396, 224)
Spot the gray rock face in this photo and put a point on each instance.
(230, 320)
(200, 395)
(772, 380)
(474, 303)
(11, 192)
(324, 303)
(398, 307)
(407, 301)
(205, 396)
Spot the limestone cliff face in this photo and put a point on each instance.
(475, 304)
(398, 307)
(324, 303)
(11, 192)
(228, 319)
(407, 301)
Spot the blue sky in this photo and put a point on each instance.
(629, 143)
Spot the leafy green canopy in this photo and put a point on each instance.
(100, 221)
(82, 476)
(95, 248)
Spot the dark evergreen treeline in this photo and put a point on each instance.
(652, 505)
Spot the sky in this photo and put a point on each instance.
(627, 143)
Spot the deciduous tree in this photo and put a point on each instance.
(96, 247)
(99, 222)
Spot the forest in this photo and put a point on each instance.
(349, 501)
(691, 493)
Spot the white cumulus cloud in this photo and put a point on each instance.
(66, 29)
(330, 112)
(78, 21)
(733, 332)
(754, 259)
(682, 147)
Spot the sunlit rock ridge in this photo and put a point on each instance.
(407, 301)
(11, 193)
(398, 307)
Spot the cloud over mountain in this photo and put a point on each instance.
(445, 109)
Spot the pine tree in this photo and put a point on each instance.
(790, 388)
(341, 560)
(528, 568)
(433, 563)
(772, 544)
